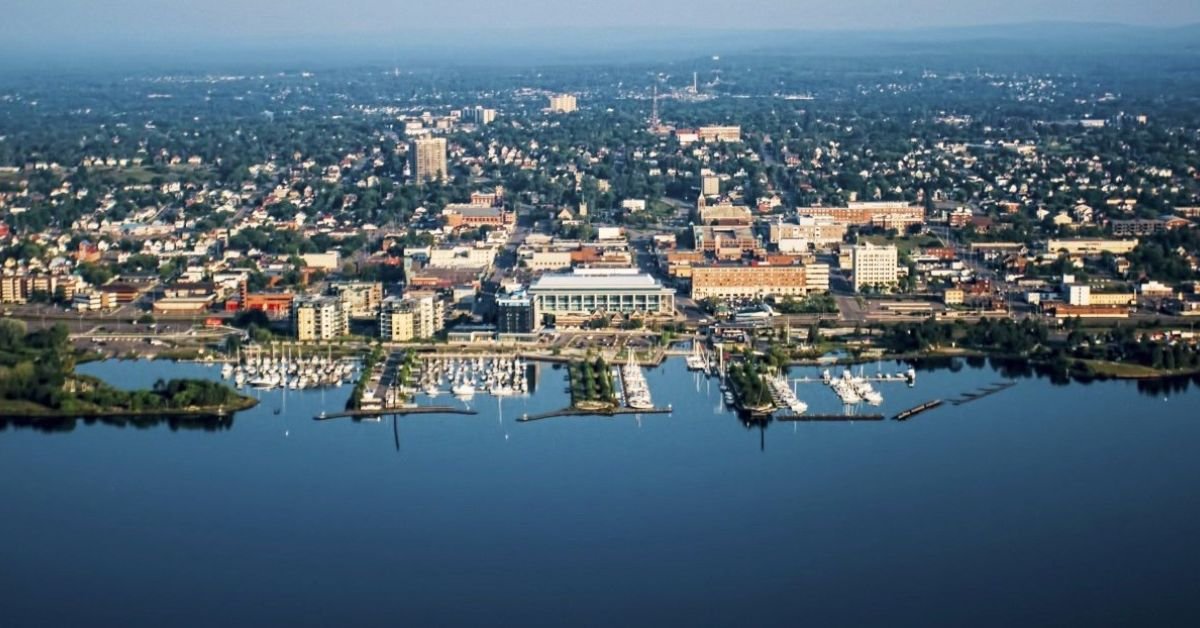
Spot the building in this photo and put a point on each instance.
(328, 261)
(92, 300)
(563, 103)
(479, 115)
(182, 306)
(515, 314)
(397, 320)
(473, 216)
(429, 158)
(275, 304)
(724, 215)
(362, 297)
(710, 185)
(1078, 294)
(572, 298)
(319, 317)
(874, 266)
(542, 261)
(20, 288)
(887, 215)
(1090, 246)
(1123, 228)
(725, 242)
(807, 230)
(418, 315)
(758, 281)
(719, 134)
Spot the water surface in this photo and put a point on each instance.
(1041, 505)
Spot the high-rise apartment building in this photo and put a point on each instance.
(429, 158)
(419, 315)
(874, 266)
(319, 318)
(563, 103)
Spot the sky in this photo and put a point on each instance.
(195, 21)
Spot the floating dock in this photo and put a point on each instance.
(359, 414)
(829, 417)
(526, 418)
(904, 415)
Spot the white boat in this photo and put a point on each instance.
(465, 389)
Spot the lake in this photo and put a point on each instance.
(1044, 504)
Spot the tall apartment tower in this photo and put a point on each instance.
(429, 158)
(563, 103)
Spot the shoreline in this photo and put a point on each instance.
(166, 413)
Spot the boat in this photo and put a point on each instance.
(465, 389)
(696, 361)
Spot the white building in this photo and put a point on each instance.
(874, 266)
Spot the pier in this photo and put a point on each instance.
(526, 418)
(905, 415)
(829, 417)
(357, 414)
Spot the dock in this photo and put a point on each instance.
(905, 415)
(828, 417)
(526, 418)
(358, 414)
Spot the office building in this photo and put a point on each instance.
(429, 158)
(515, 314)
(887, 215)
(738, 281)
(319, 317)
(874, 266)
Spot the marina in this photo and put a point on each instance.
(290, 368)
(634, 389)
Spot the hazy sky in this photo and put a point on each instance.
(131, 21)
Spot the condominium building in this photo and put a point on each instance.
(20, 288)
(416, 316)
(737, 281)
(319, 317)
(361, 297)
(574, 297)
(563, 103)
(479, 115)
(874, 266)
(429, 158)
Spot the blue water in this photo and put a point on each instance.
(1041, 505)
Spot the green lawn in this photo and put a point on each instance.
(904, 244)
